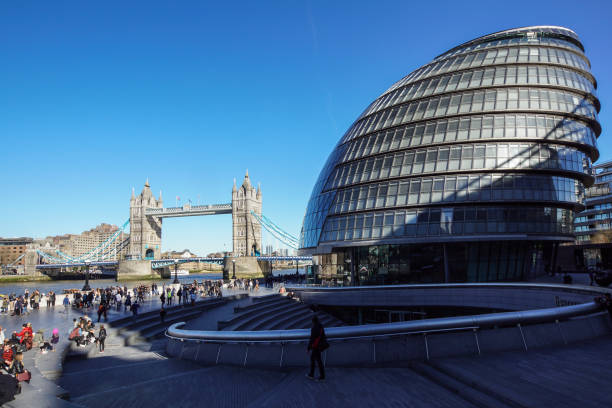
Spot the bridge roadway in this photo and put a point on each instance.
(163, 263)
(188, 210)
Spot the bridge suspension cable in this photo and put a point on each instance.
(97, 251)
(276, 231)
(16, 260)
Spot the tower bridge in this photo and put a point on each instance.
(143, 246)
(147, 213)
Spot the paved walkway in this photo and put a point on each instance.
(46, 368)
(571, 376)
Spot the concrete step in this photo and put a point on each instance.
(246, 313)
(258, 302)
(304, 322)
(465, 391)
(265, 297)
(253, 320)
(289, 318)
(99, 380)
(152, 330)
(133, 322)
(267, 322)
(328, 320)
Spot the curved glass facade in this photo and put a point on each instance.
(491, 142)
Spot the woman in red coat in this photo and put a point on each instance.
(27, 328)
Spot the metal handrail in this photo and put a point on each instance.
(335, 339)
(382, 329)
(516, 285)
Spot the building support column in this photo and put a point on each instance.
(446, 270)
(553, 257)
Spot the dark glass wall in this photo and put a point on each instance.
(434, 263)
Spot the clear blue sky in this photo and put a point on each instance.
(97, 96)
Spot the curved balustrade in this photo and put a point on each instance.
(385, 329)
(392, 342)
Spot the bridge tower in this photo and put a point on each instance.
(246, 231)
(145, 231)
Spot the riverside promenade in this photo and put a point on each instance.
(47, 368)
(138, 373)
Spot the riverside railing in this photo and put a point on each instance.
(376, 333)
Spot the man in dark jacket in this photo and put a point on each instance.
(316, 346)
(101, 338)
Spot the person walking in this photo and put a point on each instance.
(101, 338)
(316, 345)
(162, 314)
(101, 311)
(134, 308)
(128, 303)
(162, 298)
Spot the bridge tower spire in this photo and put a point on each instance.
(145, 231)
(246, 231)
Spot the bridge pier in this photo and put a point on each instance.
(246, 267)
(136, 269)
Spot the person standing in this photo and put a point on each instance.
(162, 298)
(316, 345)
(118, 301)
(101, 310)
(134, 308)
(162, 314)
(179, 295)
(101, 338)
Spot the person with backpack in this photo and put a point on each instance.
(101, 338)
(134, 309)
(101, 311)
(54, 338)
(316, 345)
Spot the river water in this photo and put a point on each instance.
(59, 286)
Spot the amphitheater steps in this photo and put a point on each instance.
(243, 314)
(275, 312)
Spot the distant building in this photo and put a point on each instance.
(89, 242)
(13, 249)
(184, 254)
(593, 226)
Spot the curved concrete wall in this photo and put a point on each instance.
(498, 296)
(534, 323)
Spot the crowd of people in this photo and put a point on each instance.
(19, 304)
(252, 285)
(12, 367)
(84, 333)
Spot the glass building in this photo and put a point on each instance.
(593, 226)
(468, 169)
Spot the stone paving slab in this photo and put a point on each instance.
(568, 376)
